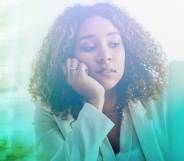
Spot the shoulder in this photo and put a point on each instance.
(42, 114)
(45, 120)
(153, 112)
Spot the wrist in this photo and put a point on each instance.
(97, 102)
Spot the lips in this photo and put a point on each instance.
(107, 71)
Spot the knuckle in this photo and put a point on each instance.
(82, 65)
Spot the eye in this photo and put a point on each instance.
(114, 44)
(88, 48)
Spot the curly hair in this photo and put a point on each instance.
(144, 74)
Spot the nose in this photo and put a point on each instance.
(104, 56)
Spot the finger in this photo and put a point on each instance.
(74, 63)
(83, 69)
(64, 69)
(73, 69)
(67, 66)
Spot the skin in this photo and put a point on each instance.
(98, 63)
(97, 66)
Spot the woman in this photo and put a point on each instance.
(97, 83)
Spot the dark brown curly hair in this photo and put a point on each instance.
(144, 74)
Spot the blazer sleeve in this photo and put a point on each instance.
(81, 143)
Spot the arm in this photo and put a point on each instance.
(81, 144)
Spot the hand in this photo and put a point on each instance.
(77, 77)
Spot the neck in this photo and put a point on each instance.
(110, 101)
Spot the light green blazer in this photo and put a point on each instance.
(143, 135)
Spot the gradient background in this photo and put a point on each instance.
(24, 24)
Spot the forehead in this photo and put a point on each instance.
(97, 26)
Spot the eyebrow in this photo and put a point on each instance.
(113, 33)
(86, 37)
(92, 36)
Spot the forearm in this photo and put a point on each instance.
(83, 142)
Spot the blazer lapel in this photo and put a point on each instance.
(65, 126)
(145, 132)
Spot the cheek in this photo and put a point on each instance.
(81, 57)
(121, 68)
(123, 61)
(120, 60)
(86, 59)
(120, 65)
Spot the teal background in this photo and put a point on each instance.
(175, 111)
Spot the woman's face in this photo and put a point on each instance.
(100, 47)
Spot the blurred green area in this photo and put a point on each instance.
(15, 151)
(16, 108)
